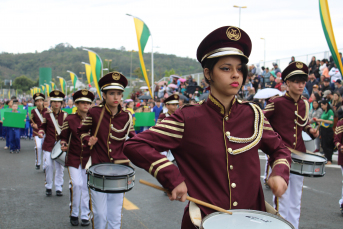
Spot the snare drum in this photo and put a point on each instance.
(309, 142)
(111, 178)
(244, 219)
(57, 154)
(306, 164)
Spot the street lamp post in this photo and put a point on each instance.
(82, 73)
(264, 39)
(131, 68)
(108, 63)
(240, 7)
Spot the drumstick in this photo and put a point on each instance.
(188, 197)
(121, 161)
(300, 154)
(97, 127)
(271, 210)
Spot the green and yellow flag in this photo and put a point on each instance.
(143, 34)
(47, 86)
(52, 86)
(43, 89)
(96, 67)
(63, 85)
(328, 32)
(89, 74)
(73, 77)
(9, 94)
(31, 92)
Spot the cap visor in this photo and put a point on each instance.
(112, 87)
(228, 53)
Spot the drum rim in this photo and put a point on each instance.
(54, 158)
(103, 191)
(307, 175)
(247, 210)
(90, 173)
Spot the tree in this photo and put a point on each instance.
(138, 72)
(169, 73)
(23, 83)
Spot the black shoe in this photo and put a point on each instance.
(37, 167)
(74, 220)
(85, 222)
(11, 151)
(59, 193)
(48, 192)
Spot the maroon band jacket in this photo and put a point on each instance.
(338, 140)
(78, 153)
(111, 136)
(289, 118)
(35, 119)
(217, 154)
(47, 127)
(162, 116)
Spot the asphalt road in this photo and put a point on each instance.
(23, 203)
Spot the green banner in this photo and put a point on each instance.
(5, 106)
(68, 110)
(30, 109)
(16, 120)
(145, 119)
(3, 112)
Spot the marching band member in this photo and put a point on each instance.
(77, 158)
(36, 120)
(215, 142)
(288, 115)
(338, 140)
(172, 103)
(114, 128)
(51, 127)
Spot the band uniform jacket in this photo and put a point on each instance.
(338, 140)
(162, 116)
(35, 119)
(217, 154)
(289, 118)
(47, 127)
(78, 153)
(112, 133)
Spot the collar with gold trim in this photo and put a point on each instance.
(216, 105)
(110, 112)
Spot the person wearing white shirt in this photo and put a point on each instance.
(322, 67)
(335, 74)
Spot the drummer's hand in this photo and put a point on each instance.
(64, 147)
(179, 192)
(40, 135)
(92, 141)
(342, 148)
(314, 132)
(278, 185)
(35, 126)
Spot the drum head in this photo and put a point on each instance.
(111, 170)
(245, 219)
(306, 137)
(308, 157)
(56, 151)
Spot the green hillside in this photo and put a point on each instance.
(64, 57)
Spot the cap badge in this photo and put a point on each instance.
(37, 94)
(233, 33)
(175, 96)
(56, 92)
(84, 92)
(299, 65)
(116, 76)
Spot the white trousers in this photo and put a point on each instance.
(79, 194)
(38, 149)
(107, 208)
(48, 164)
(289, 203)
(341, 200)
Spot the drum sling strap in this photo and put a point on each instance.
(57, 127)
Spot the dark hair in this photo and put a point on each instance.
(298, 78)
(318, 98)
(324, 101)
(210, 63)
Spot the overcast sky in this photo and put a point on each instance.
(290, 27)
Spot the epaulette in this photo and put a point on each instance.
(98, 106)
(189, 105)
(275, 96)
